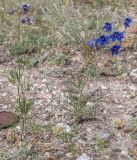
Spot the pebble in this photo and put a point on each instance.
(69, 155)
(18, 128)
(90, 104)
(104, 135)
(133, 75)
(133, 88)
(124, 74)
(66, 127)
(84, 157)
(5, 107)
(103, 87)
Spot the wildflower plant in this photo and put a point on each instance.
(111, 38)
(23, 103)
(17, 75)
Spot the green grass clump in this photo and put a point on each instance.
(31, 43)
(100, 144)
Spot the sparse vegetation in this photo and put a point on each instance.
(100, 144)
(23, 104)
(68, 64)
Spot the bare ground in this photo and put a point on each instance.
(116, 108)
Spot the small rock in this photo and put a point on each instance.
(133, 88)
(69, 155)
(5, 107)
(103, 87)
(133, 75)
(8, 119)
(90, 104)
(84, 157)
(4, 94)
(65, 127)
(124, 74)
(104, 135)
(18, 128)
(120, 106)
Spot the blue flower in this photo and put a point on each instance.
(91, 43)
(115, 49)
(117, 36)
(127, 22)
(102, 40)
(26, 7)
(25, 20)
(107, 27)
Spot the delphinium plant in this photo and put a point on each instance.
(68, 25)
(20, 18)
(17, 76)
(27, 30)
(110, 39)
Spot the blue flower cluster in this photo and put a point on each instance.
(24, 18)
(115, 37)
